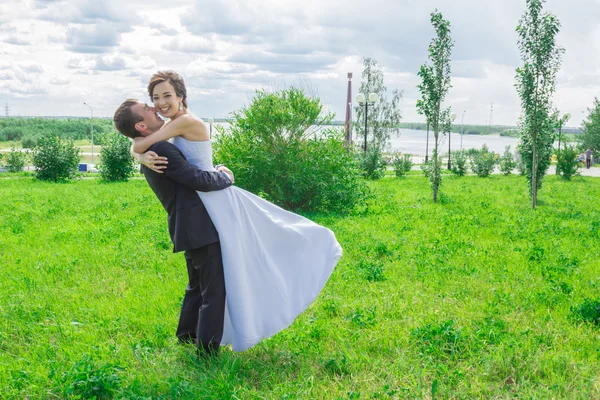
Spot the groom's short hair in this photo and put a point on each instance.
(125, 119)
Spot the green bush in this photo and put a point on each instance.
(402, 164)
(55, 159)
(372, 163)
(483, 162)
(459, 163)
(15, 160)
(567, 164)
(277, 149)
(117, 163)
(507, 162)
(28, 142)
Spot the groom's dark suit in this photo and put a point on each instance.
(192, 231)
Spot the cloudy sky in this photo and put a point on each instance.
(55, 55)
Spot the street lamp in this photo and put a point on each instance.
(362, 101)
(462, 124)
(452, 118)
(211, 120)
(91, 129)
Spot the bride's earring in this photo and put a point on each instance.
(180, 107)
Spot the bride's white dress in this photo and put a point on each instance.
(275, 262)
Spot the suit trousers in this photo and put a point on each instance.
(203, 308)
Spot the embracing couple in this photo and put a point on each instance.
(252, 266)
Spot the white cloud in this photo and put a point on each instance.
(60, 53)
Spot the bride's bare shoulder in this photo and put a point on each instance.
(195, 126)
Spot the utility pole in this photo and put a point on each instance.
(6, 110)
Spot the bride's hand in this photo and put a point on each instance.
(153, 161)
(222, 168)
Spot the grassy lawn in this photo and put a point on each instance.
(475, 297)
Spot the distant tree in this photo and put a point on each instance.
(591, 128)
(384, 116)
(28, 142)
(434, 87)
(536, 81)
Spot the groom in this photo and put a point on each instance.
(190, 227)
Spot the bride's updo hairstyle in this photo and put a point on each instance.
(174, 79)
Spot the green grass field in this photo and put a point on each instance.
(475, 297)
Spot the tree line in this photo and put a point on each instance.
(29, 130)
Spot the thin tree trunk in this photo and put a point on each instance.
(535, 133)
(435, 170)
(534, 174)
(558, 154)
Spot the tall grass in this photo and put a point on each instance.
(475, 297)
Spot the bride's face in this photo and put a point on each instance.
(165, 100)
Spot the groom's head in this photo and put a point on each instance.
(134, 118)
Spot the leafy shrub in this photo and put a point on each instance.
(459, 163)
(28, 142)
(278, 150)
(372, 163)
(507, 162)
(117, 163)
(55, 159)
(588, 311)
(567, 162)
(402, 164)
(483, 162)
(15, 160)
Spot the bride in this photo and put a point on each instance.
(275, 262)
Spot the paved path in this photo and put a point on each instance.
(593, 171)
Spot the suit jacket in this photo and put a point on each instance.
(190, 225)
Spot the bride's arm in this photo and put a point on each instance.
(177, 127)
(150, 159)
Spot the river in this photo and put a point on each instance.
(412, 141)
